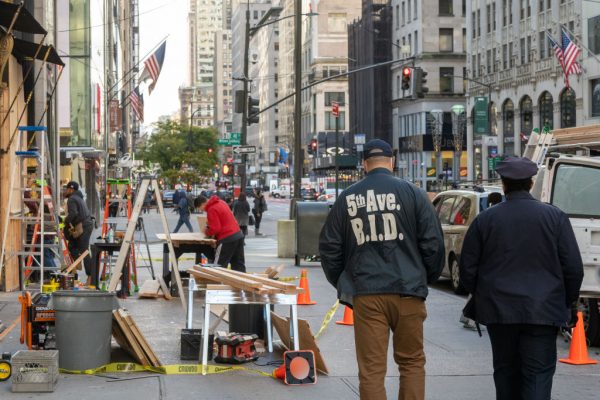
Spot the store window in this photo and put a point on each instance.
(546, 110)
(567, 108)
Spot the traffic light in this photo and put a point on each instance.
(312, 147)
(210, 150)
(252, 110)
(238, 103)
(419, 81)
(227, 169)
(406, 73)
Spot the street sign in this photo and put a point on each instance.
(481, 124)
(335, 108)
(244, 149)
(235, 136)
(492, 161)
(229, 142)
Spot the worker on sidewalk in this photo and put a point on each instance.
(521, 263)
(381, 245)
(78, 226)
(183, 208)
(221, 225)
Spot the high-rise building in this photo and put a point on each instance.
(511, 64)
(325, 54)
(222, 81)
(433, 33)
(197, 102)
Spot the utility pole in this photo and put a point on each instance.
(244, 133)
(298, 98)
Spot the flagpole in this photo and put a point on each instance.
(579, 42)
(139, 63)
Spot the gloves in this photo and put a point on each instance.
(573, 320)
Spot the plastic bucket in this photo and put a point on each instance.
(83, 328)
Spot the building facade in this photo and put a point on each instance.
(222, 81)
(509, 54)
(431, 35)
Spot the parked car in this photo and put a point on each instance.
(281, 192)
(167, 197)
(328, 196)
(309, 194)
(456, 209)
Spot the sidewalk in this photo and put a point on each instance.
(459, 364)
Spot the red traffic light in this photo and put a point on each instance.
(313, 144)
(406, 71)
(210, 150)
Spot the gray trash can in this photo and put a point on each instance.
(83, 328)
(310, 218)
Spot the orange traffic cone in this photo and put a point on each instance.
(304, 297)
(279, 372)
(348, 317)
(578, 354)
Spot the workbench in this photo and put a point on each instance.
(227, 297)
(192, 242)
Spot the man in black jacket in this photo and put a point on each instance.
(78, 213)
(381, 245)
(521, 262)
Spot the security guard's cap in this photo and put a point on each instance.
(516, 168)
(377, 148)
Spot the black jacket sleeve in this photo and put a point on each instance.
(570, 260)
(331, 243)
(430, 237)
(470, 257)
(73, 217)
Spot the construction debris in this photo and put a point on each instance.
(130, 338)
(151, 290)
(241, 281)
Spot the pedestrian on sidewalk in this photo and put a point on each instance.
(78, 226)
(241, 212)
(183, 208)
(221, 225)
(381, 245)
(521, 263)
(260, 206)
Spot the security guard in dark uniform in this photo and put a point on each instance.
(521, 262)
(381, 245)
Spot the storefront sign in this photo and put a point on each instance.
(481, 124)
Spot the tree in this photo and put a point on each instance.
(184, 155)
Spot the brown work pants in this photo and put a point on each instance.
(374, 316)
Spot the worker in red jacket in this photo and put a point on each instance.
(222, 225)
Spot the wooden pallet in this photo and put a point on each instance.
(130, 338)
(242, 281)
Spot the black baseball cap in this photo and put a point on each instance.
(377, 148)
(72, 185)
(516, 168)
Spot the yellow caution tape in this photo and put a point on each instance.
(175, 369)
(328, 318)
(288, 278)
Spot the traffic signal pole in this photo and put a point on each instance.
(244, 133)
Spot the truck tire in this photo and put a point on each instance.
(591, 319)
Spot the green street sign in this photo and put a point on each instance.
(492, 161)
(229, 142)
(235, 136)
(224, 142)
(481, 124)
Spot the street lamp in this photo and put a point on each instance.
(470, 149)
(190, 128)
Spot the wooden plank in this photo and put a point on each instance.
(141, 339)
(287, 287)
(138, 353)
(306, 338)
(242, 283)
(150, 289)
(248, 278)
(122, 340)
(163, 286)
(220, 287)
(75, 263)
(172, 258)
(231, 282)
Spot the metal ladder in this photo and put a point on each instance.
(537, 147)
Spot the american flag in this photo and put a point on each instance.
(137, 103)
(570, 53)
(153, 66)
(557, 49)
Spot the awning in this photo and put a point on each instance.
(25, 21)
(23, 49)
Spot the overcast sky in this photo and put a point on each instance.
(159, 18)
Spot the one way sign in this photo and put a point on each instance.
(244, 149)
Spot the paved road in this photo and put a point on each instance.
(459, 363)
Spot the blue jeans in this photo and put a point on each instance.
(183, 220)
(524, 360)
